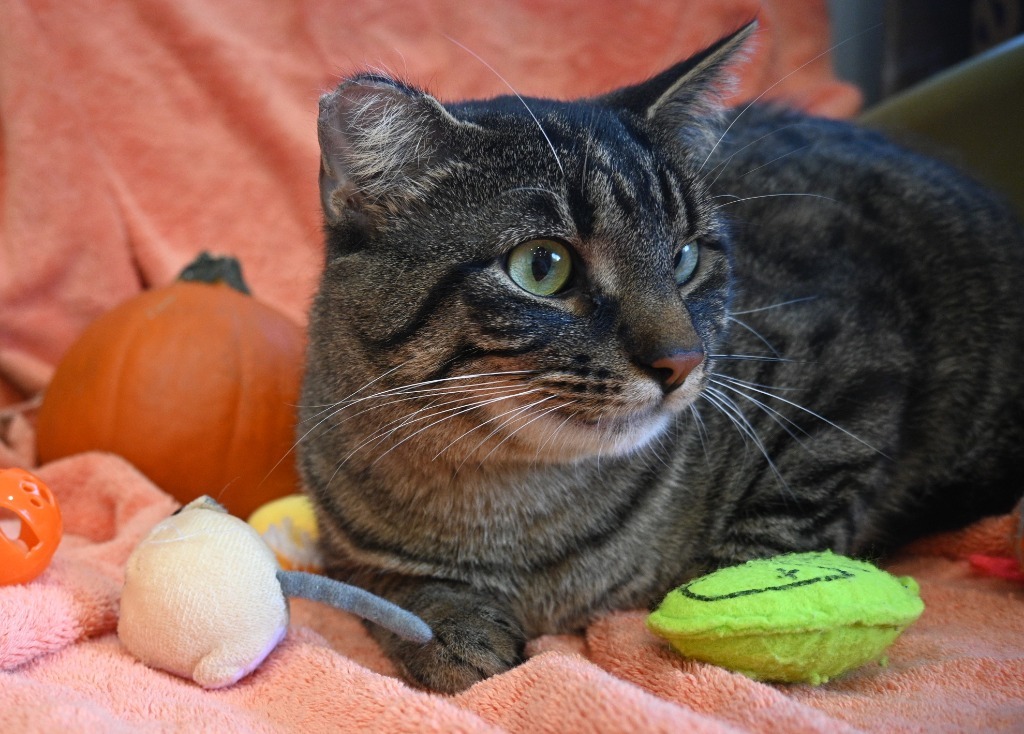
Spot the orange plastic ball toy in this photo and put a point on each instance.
(30, 526)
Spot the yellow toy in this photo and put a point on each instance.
(288, 526)
(205, 599)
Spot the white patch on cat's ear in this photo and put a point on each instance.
(378, 141)
(689, 92)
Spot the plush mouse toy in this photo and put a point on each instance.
(204, 598)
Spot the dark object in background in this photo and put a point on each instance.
(922, 37)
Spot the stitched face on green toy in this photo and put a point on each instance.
(789, 573)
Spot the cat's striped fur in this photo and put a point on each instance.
(839, 371)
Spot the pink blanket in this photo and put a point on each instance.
(136, 134)
(62, 668)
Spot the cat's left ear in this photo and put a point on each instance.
(687, 92)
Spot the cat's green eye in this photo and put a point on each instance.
(540, 267)
(685, 262)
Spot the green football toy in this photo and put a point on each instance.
(801, 617)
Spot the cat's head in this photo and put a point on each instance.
(546, 276)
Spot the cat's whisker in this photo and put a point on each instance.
(471, 407)
(813, 414)
(517, 95)
(774, 160)
(728, 407)
(557, 429)
(379, 436)
(402, 421)
(781, 420)
(330, 406)
(750, 357)
(771, 196)
(440, 387)
(423, 387)
(536, 189)
(754, 384)
(756, 333)
(465, 393)
(519, 428)
(388, 429)
(702, 431)
(790, 302)
(477, 428)
(498, 386)
(332, 409)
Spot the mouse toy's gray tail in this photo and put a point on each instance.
(358, 601)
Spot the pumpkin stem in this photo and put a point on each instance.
(207, 268)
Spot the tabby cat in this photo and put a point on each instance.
(566, 355)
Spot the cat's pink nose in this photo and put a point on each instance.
(673, 368)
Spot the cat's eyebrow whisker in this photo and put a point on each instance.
(779, 81)
(586, 161)
(811, 413)
(725, 164)
(772, 196)
(517, 95)
(775, 305)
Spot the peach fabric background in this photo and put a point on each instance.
(135, 134)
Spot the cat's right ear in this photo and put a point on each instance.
(379, 141)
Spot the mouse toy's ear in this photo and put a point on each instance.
(382, 145)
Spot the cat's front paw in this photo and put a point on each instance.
(475, 637)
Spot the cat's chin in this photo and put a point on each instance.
(618, 435)
(575, 437)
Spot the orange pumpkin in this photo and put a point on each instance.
(195, 383)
